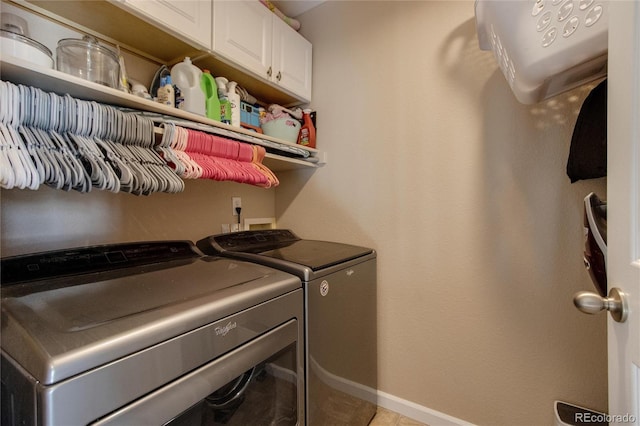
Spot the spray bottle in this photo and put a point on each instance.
(234, 100)
(307, 135)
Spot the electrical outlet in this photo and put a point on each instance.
(235, 203)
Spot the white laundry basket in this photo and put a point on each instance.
(545, 47)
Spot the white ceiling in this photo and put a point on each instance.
(293, 8)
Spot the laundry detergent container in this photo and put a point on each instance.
(545, 47)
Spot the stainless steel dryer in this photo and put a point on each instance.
(339, 282)
(147, 334)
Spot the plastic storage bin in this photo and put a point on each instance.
(249, 114)
(282, 128)
(545, 47)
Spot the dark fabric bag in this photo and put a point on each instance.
(588, 152)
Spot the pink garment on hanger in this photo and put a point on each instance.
(208, 156)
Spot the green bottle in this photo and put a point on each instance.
(210, 89)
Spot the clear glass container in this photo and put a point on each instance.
(88, 60)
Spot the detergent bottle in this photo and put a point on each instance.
(186, 77)
(307, 135)
(210, 89)
(222, 86)
(166, 94)
(225, 105)
(234, 100)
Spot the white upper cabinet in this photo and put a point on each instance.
(248, 34)
(189, 18)
(291, 59)
(242, 34)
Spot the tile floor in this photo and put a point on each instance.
(386, 417)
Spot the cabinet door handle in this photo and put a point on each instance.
(279, 76)
(269, 72)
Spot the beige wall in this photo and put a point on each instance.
(463, 192)
(48, 219)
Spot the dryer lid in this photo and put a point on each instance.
(281, 247)
(316, 255)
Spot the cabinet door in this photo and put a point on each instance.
(242, 34)
(188, 18)
(291, 59)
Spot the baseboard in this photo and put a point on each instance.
(417, 412)
(385, 400)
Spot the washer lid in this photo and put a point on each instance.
(29, 272)
(71, 324)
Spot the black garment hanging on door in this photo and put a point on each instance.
(588, 152)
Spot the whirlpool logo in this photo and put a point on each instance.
(223, 331)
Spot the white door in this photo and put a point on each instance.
(623, 207)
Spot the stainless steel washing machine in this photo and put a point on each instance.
(339, 282)
(149, 333)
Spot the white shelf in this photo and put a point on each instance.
(18, 71)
